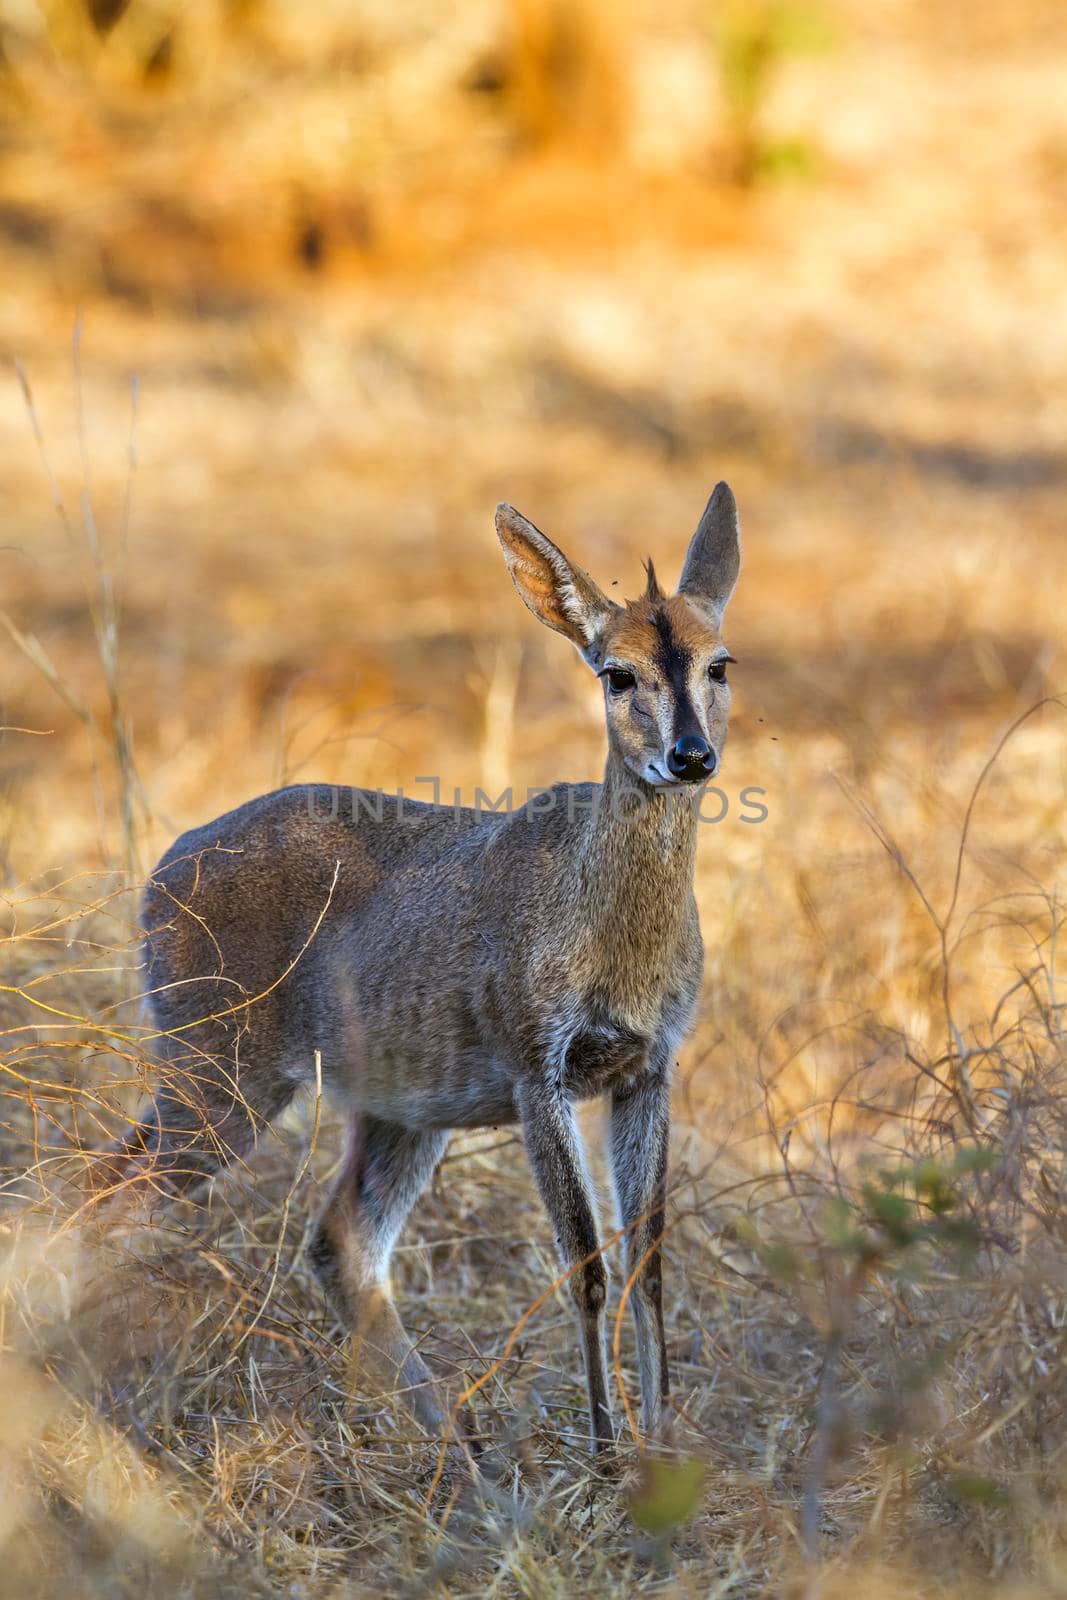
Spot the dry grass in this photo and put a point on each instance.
(500, 254)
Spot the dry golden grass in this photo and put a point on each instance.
(376, 271)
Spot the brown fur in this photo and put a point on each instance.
(460, 969)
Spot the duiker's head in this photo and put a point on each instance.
(661, 659)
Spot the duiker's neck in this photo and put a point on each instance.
(634, 854)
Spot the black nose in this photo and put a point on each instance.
(692, 759)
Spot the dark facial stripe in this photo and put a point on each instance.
(674, 661)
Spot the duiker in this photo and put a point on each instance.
(462, 969)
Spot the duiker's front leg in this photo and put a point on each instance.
(640, 1124)
(555, 1154)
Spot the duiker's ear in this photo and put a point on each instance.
(558, 593)
(714, 557)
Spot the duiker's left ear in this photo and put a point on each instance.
(714, 557)
(558, 593)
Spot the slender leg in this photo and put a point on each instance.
(555, 1154)
(640, 1126)
(386, 1168)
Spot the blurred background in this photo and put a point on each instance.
(290, 296)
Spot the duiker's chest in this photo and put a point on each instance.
(603, 1053)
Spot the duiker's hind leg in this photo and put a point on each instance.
(199, 1122)
(385, 1169)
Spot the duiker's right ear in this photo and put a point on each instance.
(559, 594)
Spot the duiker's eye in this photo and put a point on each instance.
(620, 679)
(717, 670)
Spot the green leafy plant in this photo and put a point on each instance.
(752, 40)
(667, 1495)
(891, 1223)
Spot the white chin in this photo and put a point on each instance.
(658, 780)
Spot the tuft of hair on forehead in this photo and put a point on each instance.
(652, 588)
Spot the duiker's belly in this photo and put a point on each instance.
(425, 1092)
(425, 1052)
(431, 1067)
